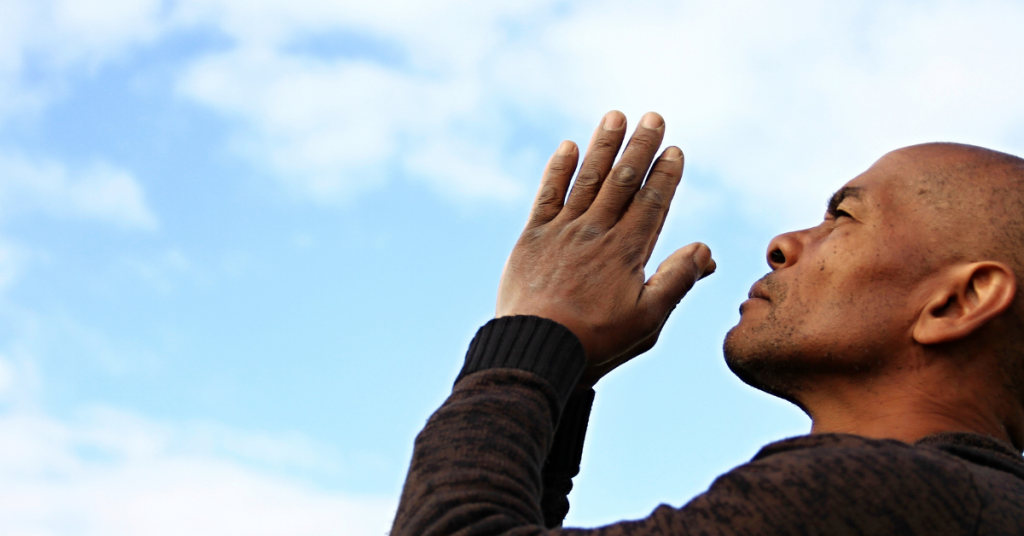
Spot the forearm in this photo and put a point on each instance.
(563, 461)
(478, 464)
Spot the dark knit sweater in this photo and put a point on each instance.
(499, 455)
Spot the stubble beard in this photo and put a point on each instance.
(766, 356)
(780, 356)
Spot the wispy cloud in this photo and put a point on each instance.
(780, 100)
(331, 127)
(110, 479)
(99, 192)
(43, 41)
(109, 472)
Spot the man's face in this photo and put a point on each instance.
(836, 301)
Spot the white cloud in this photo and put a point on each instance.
(106, 471)
(109, 474)
(463, 170)
(42, 44)
(99, 192)
(41, 41)
(312, 123)
(785, 101)
(332, 127)
(781, 100)
(96, 30)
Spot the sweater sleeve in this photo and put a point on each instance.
(563, 461)
(481, 464)
(550, 350)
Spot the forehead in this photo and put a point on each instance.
(896, 184)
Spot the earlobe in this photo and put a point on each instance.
(963, 299)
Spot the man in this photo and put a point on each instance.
(895, 324)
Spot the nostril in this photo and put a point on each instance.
(777, 257)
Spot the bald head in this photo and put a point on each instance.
(970, 198)
(969, 205)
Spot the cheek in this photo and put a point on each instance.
(850, 303)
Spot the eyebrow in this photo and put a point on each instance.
(842, 193)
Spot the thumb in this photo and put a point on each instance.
(676, 276)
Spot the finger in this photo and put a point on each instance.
(625, 179)
(604, 145)
(654, 240)
(554, 184)
(674, 278)
(646, 214)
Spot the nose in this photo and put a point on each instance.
(784, 250)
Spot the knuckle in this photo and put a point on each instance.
(604, 143)
(651, 198)
(548, 195)
(558, 166)
(631, 251)
(543, 214)
(588, 232)
(625, 177)
(587, 179)
(544, 211)
(530, 236)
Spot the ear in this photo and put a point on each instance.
(963, 299)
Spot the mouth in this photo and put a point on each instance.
(757, 292)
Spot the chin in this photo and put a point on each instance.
(758, 362)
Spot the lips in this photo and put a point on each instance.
(757, 292)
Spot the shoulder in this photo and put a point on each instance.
(998, 472)
(859, 461)
(848, 484)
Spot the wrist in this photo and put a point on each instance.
(532, 344)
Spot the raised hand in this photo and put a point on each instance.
(580, 261)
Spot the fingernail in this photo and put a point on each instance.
(671, 154)
(613, 121)
(709, 269)
(702, 259)
(652, 121)
(566, 148)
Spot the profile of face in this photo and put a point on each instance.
(838, 299)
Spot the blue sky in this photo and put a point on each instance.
(243, 244)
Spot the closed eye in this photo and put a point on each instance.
(835, 213)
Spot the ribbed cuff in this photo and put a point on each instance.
(567, 448)
(538, 345)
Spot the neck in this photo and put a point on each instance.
(913, 402)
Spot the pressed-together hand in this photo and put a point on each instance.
(580, 261)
